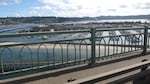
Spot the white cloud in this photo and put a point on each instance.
(46, 7)
(29, 13)
(79, 8)
(17, 1)
(33, 12)
(52, 2)
(3, 3)
(9, 2)
(142, 5)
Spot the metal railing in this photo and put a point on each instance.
(50, 50)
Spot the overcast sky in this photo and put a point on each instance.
(73, 8)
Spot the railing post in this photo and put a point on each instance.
(1, 64)
(93, 57)
(145, 40)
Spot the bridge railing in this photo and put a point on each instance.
(50, 50)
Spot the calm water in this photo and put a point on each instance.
(17, 54)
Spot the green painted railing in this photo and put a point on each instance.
(59, 53)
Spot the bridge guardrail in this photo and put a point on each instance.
(89, 46)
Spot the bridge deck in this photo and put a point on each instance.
(61, 76)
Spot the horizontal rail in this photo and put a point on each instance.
(62, 32)
(41, 33)
(61, 40)
(118, 35)
(112, 29)
(31, 43)
(110, 74)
